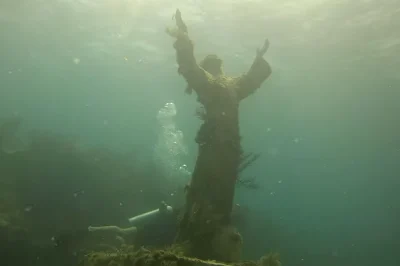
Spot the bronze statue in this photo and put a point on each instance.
(206, 220)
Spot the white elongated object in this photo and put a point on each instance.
(163, 210)
(113, 228)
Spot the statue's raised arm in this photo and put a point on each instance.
(259, 71)
(195, 76)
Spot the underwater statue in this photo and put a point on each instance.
(206, 220)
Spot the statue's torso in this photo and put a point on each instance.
(221, 118)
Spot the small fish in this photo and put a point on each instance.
(79, 192)
(28, 208)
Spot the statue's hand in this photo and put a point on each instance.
(180, 30)
(261, 51)
(177, 16)
(179, 21)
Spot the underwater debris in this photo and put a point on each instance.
(246, 161)
(249, 183)
(113, 229)
(164, 209)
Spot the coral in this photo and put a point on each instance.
(272, 259)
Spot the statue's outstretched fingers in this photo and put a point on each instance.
(179, 21)
(261, 52)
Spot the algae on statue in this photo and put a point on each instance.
(206, 223)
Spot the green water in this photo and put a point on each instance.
(326, 121)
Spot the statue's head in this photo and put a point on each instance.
(212, 64)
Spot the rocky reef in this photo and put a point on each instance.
(170, 256)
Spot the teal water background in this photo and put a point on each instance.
(326, 121)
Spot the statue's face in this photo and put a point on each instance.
(212, 64)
